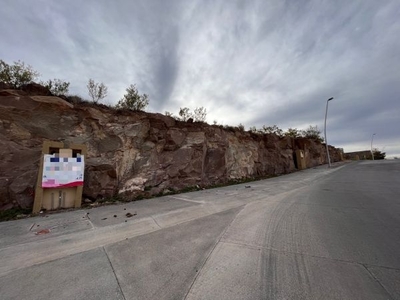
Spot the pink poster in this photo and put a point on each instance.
(61, 172)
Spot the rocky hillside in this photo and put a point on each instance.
(132, 153)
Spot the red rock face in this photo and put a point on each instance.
(133, 153)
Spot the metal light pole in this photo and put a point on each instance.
(372, 139)
(326, 141)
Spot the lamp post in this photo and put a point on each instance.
(372, 139)
(326, 141)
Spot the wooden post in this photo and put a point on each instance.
(79, 189)
(37, 204)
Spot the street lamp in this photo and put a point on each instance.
(326, 141)
(372, 139)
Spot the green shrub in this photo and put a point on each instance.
(17, 74)
(133, 100)
(97, 91)
(56, 86)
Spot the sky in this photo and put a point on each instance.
(254, 62)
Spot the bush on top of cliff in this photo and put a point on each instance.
(272, 130)
(56, 86)
(199, 115)
(17, 74)
(97, 91)
(312, 133)
(133, 100)
(293, 132)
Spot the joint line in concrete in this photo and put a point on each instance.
(156, 222)
(209, 254)
(115, 275)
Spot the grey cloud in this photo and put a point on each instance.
(254, 62)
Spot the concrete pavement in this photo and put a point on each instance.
(316, 234)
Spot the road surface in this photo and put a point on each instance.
(316, 234)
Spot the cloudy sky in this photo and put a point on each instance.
(260, 62)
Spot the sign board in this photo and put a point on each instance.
(62, 172)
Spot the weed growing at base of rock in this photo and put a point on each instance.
(14, 213)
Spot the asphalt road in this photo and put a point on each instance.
(316, 234)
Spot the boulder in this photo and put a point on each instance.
(22, 189)
(100, 181)
(36, 89)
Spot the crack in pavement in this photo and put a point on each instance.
(377, 280)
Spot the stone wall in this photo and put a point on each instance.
(365, 154)
(134, 153)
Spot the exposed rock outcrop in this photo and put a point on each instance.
(133, 153)
(36, 89)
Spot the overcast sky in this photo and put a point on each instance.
(260, 62)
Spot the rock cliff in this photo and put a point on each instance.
(133, 153)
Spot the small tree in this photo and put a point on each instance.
(97, 91)
(17, 74)
(169, 114)
(312, 133)
(241, 127)
(185, 114)
(57, 86)
(133, 100)
(200, 114)
(293, 132)
(378, 154)
(253, 129)
(272, 130)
